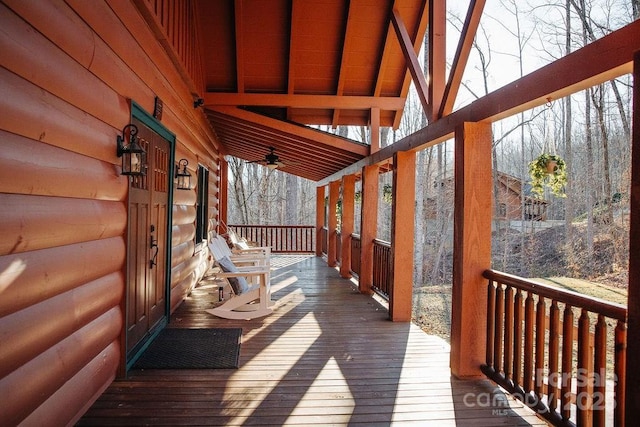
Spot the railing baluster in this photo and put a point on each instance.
(620, 369)
(540, 335)
(491, 303)
(600, 372)
(567, 363)
(528, 342)
(583, 397)
(517, 337)
(508, 332)
(499, 324)
(554, 349)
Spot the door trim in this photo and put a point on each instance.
(147, 119)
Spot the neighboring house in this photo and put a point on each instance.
(510, 200)
(514, 195)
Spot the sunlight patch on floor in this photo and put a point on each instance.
(345, 402)
(281, 260)
(311, 332)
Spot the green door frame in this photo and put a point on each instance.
(143, 116)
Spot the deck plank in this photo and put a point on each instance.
(327, 356)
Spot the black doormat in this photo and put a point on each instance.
(180, 348)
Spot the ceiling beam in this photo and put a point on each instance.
(565, 76)
(303, 101)
(412, 59)
(469, 30)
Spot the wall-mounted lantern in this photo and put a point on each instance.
(134, 158)
(182, 175)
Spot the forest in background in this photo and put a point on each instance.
(589, 130)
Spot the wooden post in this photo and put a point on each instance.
(375, 130)
(320, 210)
(334, 194)
(632, 394)
(348, 202)
(223, 194)
(368, 226)
(402, 235)
(471, 248)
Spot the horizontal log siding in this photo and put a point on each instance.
(67, 72)
(44, 222)
(184, 261)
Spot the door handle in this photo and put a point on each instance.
(153, 244)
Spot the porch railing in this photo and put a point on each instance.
(382, 268)
(324, 235)
(281, 238)
(355, 254)
(567, 368)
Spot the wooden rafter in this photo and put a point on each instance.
(239, 46)
(343, 62)
(303, 101)
(291, 77)
(469, 30)
(384, 59)
(301, 131)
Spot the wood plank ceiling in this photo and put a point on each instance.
(273, 66)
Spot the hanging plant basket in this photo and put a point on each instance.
(548, 170)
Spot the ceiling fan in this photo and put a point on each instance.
(271, 160)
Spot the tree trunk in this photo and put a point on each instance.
(568, 148)
(589, 203)
(598, 102)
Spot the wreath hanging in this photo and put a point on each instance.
(548, 170)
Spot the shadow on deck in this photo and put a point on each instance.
(327, 356)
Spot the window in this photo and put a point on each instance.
(503, 210)
(202, 204)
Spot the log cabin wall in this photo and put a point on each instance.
(68, 71)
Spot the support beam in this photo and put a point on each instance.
(437, 57)
(368, 226)
(412, 59)
(332, 247)
(469, 30)
(320, 213)
(471, 248)
(402, 235)
(348, 210)
(375, 130)
(632, 394)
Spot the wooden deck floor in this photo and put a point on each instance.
(327, 356)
